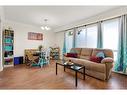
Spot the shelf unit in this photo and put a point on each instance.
(8, 44)
(55, 53)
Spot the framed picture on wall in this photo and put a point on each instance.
(35, 36)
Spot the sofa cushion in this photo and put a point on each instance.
(107, 52)
(95, 51)
(76, 50)
(86, 51)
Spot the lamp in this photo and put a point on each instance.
(45, 27)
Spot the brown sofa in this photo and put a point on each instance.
(98, 70)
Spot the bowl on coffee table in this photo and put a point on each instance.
(68, 63)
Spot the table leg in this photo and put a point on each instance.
(84, 73)
(76, 78)
(64, 68)
(56, 68)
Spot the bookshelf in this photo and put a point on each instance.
(55, 53)
(8, 43)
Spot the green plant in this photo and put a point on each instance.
(40, 47)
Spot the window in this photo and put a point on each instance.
(80, 40)
(69, 40)
(87, 36)
(91, 36)
(110, 31)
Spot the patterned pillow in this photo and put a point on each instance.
(96, 59)
(74, 55)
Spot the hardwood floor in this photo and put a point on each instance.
(24, 77)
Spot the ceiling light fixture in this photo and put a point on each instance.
(45, 27)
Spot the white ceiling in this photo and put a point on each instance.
(56, 15)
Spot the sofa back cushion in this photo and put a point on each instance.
(76, 50)
(107, 52)
(86, 53)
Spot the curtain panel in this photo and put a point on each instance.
(121, 63)
(64, 44)
(99, 36)
(74, 38)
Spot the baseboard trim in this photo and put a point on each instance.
(1, 69)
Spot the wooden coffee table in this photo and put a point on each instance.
(74, 66)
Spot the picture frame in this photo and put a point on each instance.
(35, 36)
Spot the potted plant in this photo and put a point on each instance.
(40, 47)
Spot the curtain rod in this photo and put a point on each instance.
(92, 23)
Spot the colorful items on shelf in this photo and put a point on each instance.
(8, 40)
(8, 47)
(8, 53)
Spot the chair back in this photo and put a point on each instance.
(45, 54)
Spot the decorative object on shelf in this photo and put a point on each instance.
(8, 42)
(45, 26)
(35, 36)
(54, 53)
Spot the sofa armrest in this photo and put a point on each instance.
(107, 60)
(109, 64)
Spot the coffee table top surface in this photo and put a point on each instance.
(71, 65)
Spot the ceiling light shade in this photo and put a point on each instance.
(45, 27)
(42, 28)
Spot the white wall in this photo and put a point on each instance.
(60, 41)
(106, 15)
(21, 41)
(1, 25)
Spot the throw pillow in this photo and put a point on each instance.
(96, 59)
(100, 54)
(74, 55)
